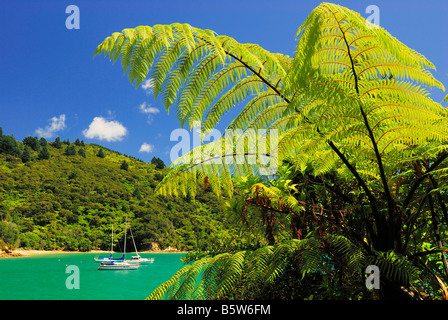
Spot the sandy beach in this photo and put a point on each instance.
(26, 253)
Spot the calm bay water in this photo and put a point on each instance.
(44, 277)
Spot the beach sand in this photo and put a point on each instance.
(26, 253)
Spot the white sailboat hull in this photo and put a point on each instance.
(141, 260)
(117, 266)
(109, 260)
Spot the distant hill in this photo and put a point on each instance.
(66, 195)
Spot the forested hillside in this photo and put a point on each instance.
(66, 195)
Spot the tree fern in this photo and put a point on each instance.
(353, 101)
(345, 78)
(339, 67)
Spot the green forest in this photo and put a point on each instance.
(63, 195)
(359, 145)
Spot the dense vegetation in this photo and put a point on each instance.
(361, 150)
(63, 195)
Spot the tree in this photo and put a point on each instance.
(44, 154)
(26, 155)
(101, 153)
(158, 163)
(57, 143)
(350, 103)
(137, 193)
(43, 142)
(82, 152)
(32, 142)
(70, 150)
(77, 142)
(124, 165)
(9, 234)
(8, 145)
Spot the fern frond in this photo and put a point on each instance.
(345, 76)
(356, 260)
(170, 288)
(227, 274)
(343, 68)
(395, 267)
(181, 58)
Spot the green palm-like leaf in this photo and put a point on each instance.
(395, 267)
(228, 275)
(343, 68)
(222, 275)
(192, 67)
(346, 75)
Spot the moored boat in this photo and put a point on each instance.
(138, 259)
(117, 265)
(110, 257)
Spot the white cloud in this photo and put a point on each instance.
(146, 148)
(150, 111)
(110, 114)
(103, 129)
(56, 124)
(147, 109)
(148, 86)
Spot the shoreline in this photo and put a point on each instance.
(17, 253)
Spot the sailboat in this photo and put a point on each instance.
(119, 265)
(138, 259)
(110, 257)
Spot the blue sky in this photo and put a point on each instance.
(50, 84)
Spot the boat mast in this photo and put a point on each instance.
(112, 243)
(133, 240)
(125, 227)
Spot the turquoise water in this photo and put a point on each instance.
(44, 277)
